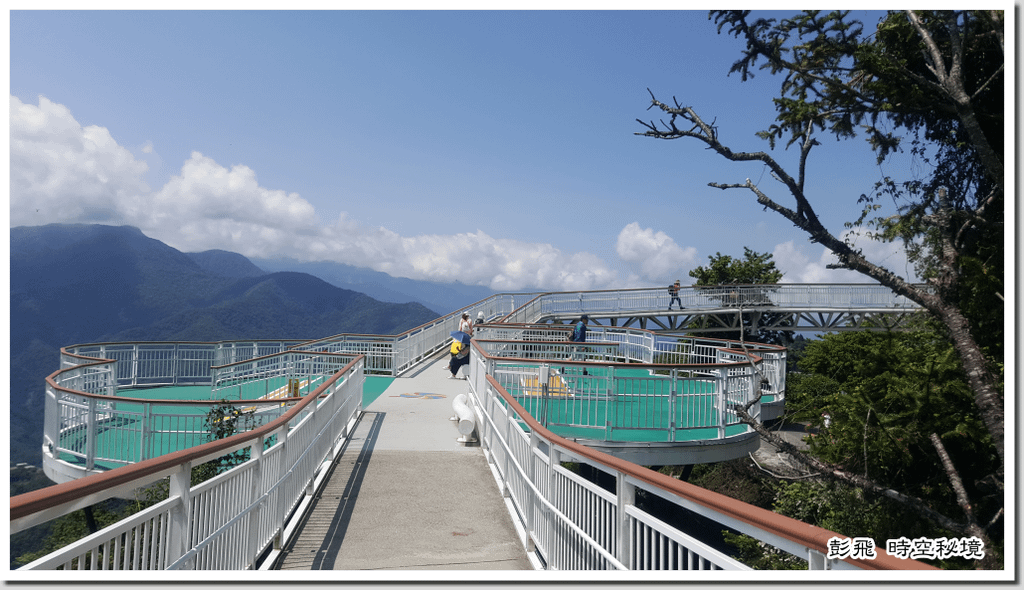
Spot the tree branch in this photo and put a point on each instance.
(972, 526)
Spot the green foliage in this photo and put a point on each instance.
(760, 555)
(737, 479)
(886, 393)
(753, 269)
(223, 421)
(71, 527)
(848, 511)
(855, 513)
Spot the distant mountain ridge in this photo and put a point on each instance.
(226, 264)
(75, 284)
(442, 298)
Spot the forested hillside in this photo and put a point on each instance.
(75, 284)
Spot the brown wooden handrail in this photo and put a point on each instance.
(808, 535)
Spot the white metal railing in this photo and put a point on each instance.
(88, 427)
(573, 523)
(607, 389)
(226, 522)
(392, 355)
(781, 295)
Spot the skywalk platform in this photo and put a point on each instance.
(405, 495)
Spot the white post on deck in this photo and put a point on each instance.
(90, 434)
(181, 514)
(255, 490)
(625, 495)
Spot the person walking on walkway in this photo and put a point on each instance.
(673, 290)
(579, 333)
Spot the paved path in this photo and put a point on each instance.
(404, 495)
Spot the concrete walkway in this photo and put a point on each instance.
(404, 495)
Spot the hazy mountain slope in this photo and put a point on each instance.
(442, 298)
(73, 284)
(225, 264)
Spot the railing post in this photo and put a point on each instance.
(672, 402)
(147, 431)
(816, 560)
(181, 515)
(90, 434)
(625, 495)
(533, 514)
(609, 416)
(554, 459)
(722, 382)
(281, 509)
(135, 365)
(255, 490)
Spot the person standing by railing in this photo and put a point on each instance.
(465, 324)
(460, 356)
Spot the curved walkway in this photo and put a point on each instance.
(405, 495)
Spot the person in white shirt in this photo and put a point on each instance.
(465, 325)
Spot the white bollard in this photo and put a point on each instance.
(466, 418)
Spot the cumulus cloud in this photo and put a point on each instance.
(655, 256)
(207, 189)
(63, 172)
(80, 174)
(809, 263)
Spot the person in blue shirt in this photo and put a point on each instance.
(579, 333)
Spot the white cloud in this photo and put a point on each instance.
(76, 174)
(208, 190)
(809, 263)
(63, 172)
(656, 254)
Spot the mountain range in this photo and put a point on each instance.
(74, 284)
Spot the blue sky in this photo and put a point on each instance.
(492, 147)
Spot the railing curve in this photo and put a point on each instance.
(246, 510)
(610, 531)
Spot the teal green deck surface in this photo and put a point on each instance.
(129, 428)
(639, 411)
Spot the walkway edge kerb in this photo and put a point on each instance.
(808, 535)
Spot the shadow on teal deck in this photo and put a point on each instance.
(120, 437)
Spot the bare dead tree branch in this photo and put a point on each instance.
(987, 397)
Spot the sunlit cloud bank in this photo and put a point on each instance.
(808, 263)
(655, 256)
(62, 172)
